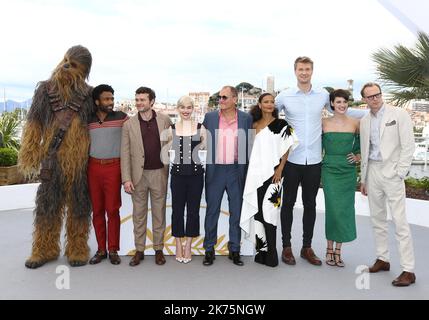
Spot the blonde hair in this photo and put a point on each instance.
(184, 101)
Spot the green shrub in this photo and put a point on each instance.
(8, 157)
(9, 125)
(418, 183)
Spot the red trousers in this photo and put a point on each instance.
(104, 181)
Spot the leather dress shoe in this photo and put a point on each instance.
(405, 279)
(379, 265)
(114, 257)
(287, 256)
(208, 258)
(309, 255)
(159, 257)
(135, 260)
(98, 257)
(235, 257)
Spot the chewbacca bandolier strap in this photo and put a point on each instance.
(64, 113)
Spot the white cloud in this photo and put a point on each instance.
(182, 46)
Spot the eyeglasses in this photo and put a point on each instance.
(374, 96)
(223, 98)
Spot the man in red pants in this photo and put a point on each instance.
(104, 172)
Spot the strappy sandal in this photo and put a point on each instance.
(186, 260)
(338, 261)
(330, 257)
(179, 258)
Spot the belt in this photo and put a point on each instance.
(104, 161)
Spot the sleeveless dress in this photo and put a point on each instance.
(262, 199)
(339, 185)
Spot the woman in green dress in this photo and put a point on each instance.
(341, 153)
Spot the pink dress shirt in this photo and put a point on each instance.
(227, 143)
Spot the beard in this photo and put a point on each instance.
(68, 82)
(106, 109)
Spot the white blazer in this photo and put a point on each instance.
(396, 142)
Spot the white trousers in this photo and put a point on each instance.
(390, 191)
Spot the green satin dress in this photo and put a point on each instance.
(339, 185)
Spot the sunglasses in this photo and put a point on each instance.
(223, 98)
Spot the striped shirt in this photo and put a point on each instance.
(106, 135)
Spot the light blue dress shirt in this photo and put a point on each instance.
(303, 111)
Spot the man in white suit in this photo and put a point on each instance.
(387, 146)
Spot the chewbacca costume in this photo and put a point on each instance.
(55, 143)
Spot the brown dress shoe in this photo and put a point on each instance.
(405, 279)
(99, 255)
(379, 265)
(159, 257)
(135, 260)
(309, 255)
(287, 256)
(114, 257)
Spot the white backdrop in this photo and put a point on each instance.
(22, 197)
(221, 248)
(412, 13)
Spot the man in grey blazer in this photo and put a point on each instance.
(143, 171)
(227, 158)
(387, 146)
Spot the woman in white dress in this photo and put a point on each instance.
(262, 192)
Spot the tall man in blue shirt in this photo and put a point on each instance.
(303, 106)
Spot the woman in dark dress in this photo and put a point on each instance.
(187, 178)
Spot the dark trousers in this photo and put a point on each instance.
(226, 179)
(186, 191)
(104, 182)
(309, 178)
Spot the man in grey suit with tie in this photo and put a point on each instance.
(227, 158)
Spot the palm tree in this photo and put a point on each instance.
(405, 71)
(9, 123)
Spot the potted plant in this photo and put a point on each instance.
(9, 146)
(417, 188)
(8, 166)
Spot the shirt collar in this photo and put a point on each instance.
(380, 112)
(153, 116)
(236, 114)
(313, 90)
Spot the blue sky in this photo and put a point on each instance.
(180, 46)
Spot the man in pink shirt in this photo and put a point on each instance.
(227, 159)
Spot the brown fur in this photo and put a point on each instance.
(46, 238)
(30, 153)
(77, 233)
(66, 82)
(65, 195)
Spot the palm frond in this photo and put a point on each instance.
(405, 71)
(9, 123)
